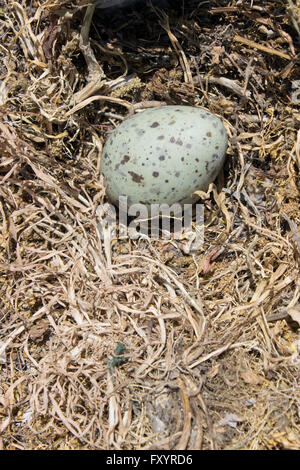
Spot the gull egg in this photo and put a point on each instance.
(163, 155)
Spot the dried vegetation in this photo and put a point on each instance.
(138, 344)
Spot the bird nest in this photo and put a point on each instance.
(111, 343)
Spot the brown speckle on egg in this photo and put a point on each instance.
(135, 177)
(154, 124)
(125, 159)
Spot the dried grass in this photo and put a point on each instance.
(212, 352)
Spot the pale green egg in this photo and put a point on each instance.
(163, 155)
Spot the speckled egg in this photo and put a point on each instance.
(162, 155)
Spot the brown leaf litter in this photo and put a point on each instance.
(209, 339)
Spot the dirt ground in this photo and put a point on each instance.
(141, 344)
